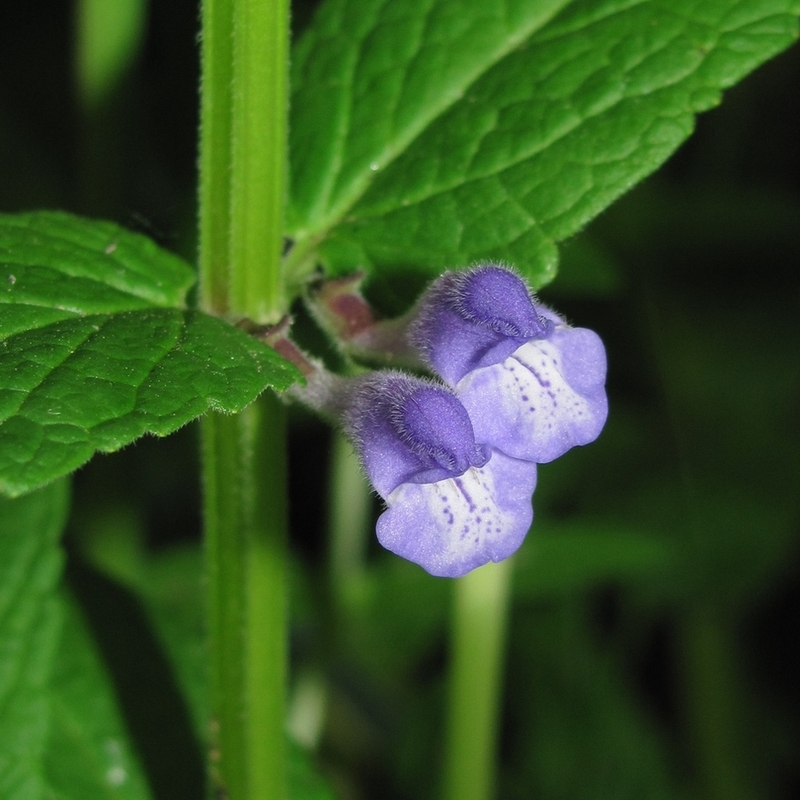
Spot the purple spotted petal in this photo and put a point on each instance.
(474, 318)
(544, 399)
(456, 525)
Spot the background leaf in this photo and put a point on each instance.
(563, 560)
(170, 588)
(88, 754)
(600, 741)
(536, 126)
(92, 353)
(30, 564)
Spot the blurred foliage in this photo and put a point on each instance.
(651, 650)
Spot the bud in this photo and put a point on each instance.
(472, 319)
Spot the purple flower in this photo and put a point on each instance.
(452, 504)
(533, 386)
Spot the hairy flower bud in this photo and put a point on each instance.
(472, 319)
(408, 430)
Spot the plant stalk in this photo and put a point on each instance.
(480, 613)
(717, 727)
(244, 99)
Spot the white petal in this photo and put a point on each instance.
(544, 399)
(456, 525)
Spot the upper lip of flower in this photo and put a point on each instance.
(495, 298)
(458, 463)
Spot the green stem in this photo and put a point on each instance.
(258, 163)
(349, 506)
(242, 174)
(245, 552)
(716, 724)
(216, 109)
(478, 643)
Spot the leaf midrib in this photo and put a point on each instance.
(391, 152)
(425, 193)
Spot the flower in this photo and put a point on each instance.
(452, 504)
(456, 462)
(532, 385)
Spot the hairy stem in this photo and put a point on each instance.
(216, 110)
(242, 174)
(259, 160)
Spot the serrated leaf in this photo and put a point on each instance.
(101, 381)
(436, 133)
(94, 352)
(30, 564)
(88, 755)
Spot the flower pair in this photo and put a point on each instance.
(456, 461)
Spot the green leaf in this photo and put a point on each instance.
(370, 76)
(436, 133)
(305, 783)
(96, 350)
(170, 587)
(580, 555)
(587, 733)
(88, 754)
(30, 564)
(55, 266)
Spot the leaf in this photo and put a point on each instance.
(60, 732)
(88, 754)
(170, 587)
(434, 133)
(305, 783)
(587, 731)
(55, 266)
(574, 557)
(30, 564)
(376, 74)
(95, 349)
(392, 616)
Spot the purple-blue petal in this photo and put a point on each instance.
(408, 430)
(456, 525)
(544, 399)
(474, 318)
